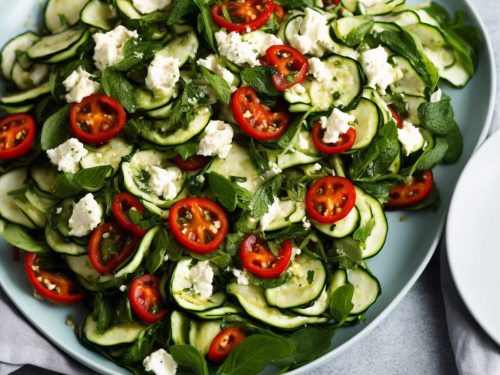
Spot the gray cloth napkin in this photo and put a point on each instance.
(21, 344)
(475, 353)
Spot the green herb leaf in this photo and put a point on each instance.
(357, 35)
(270, 283)
(188, 358)
(433, 157)
(181, 9)
(264, 196)
(117, 86)
(260, 79)
(102, 312)
(229, 194)
(187, 149)
(56, 129)
(254, 353)
(310, 276)
(259, 160)
(437, 117)
(218, 257)
(19, 237)
(347, 247)
(184, 108)
(136, 53)
(206, 24)
(310, 343)
(134, 127)
(363, 232)
(341, 302)
(297, 4)
(219, 84)
(455, 144)
(157, 251)
(89, 179)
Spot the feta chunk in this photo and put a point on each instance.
(319, 70)
(410, 137)
(202, 276)
(336, 125)
(295, 252)
(379, 72)
(163, 181)
(110, 46)
(244, 49)
(241, 276)
(79, 85)
(314, 34)
(316, 167)
(85, 217)
(436, 96)
(150, 6)
(273, 170)
(160, 362)
(163, 74)
(273, 212)
(212, 63)
(67, 156)
(217, 139)
(306, 223)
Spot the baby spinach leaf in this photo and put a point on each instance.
(90, 179)
(260, 79)
(56, 129)
(117, 86)
(219, 84)
(157, 251)
(437, 117)
(102, 312)
(310, 343)
(256, 352)
(455, 144)
(341, 302)
(433, 157)
(19, 237)
(188, 358)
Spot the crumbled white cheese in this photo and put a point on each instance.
(202, 276)
(163, 181)
(217, 139)
(319, 70)
(306, 223)
(295, 93)
(160, 362)
(241, 276)
(123, 288)
(38, 73)
(273, 211)
(273, 170)
(316, 167)
(163, 74)
(67, 156)
(261, 41)
(379, 72)
(109, 47)
(200, 178)
(150, 6)
(85, 217)
(436, 96)
(212, 63)
(295, 252)
(410, 137)
(244, 49)
(58, 210)
(79, 85)
(335, 125)
(314, 34)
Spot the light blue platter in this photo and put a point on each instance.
(410, 243)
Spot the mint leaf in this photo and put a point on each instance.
(264, 196)
(437, 117)
(228, 193)
(181, 9)
(206, 24)
(341, 302)
(455, 144)
(256, 352)
(357, 35)
(219, 84)
(56, 129)
(19, 237)
(187, 149)
(117, 86)
(260, 79)
(136, 53)
(434, 156)
(188, 358)
(363, 232)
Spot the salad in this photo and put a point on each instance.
(210, 178)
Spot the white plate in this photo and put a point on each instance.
(472, 236)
